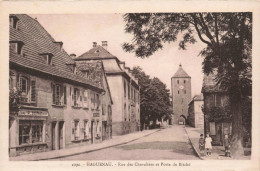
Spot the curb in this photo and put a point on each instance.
(196, 151)
(88, 151)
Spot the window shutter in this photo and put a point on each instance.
(72, 135)
(33, 91)
(65, 95)
(212, 128)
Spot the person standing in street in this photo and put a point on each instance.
(208, 145)
(227, 146)
(202, 144)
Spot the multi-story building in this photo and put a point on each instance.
(52, 105)
(196, 116)
(181, 95)
(123, 86)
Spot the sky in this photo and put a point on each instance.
(79, 31)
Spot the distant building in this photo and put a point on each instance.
(181, 95)
(52, 105)
(196, 116)
(123, 86)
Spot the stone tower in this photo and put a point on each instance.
(181, 95)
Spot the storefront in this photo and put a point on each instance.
(27, 129)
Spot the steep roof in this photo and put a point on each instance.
(97, 52)
(181, 73)
(38, 41)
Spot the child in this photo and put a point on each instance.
(201, 144)
(227, 146)
(208, 145)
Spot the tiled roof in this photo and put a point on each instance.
(38, 41)
(97, 52)
(181, 73)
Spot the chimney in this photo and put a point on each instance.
(59, 44)
(73, 56)
(94, 44)
(104, 44)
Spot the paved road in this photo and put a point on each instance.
(167, 144)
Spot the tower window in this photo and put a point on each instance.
(177, 81)
(184, 91)
(178, 92)
(184, 81)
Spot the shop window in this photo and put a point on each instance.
(30, 131)
(57, 94)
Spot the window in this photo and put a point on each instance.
(85, 98)
(177, 81)
(24, 85)
(86, 130)
(98, 129)
(27, 88)
(178, 92)
(86, 73)
(128, 91)
(76, 97)
(184, 81)
(184, 91)
(17, 47)
(125, 111)
(57, 94)
(30, 131)
(124, 89)
(13, 21)
(92, 99)
(47, 57)
(214, 100)
(75, 130)
(97, 102)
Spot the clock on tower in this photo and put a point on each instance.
(181, 95)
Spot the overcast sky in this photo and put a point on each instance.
(77, 32)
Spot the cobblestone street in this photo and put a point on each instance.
(168, 144)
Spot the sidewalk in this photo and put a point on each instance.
(117, 140)
(218, 152)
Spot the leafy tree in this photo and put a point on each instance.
(228, 40)
(154, 97)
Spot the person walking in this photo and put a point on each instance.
(202, 144)
(227, 146)
(208, 145)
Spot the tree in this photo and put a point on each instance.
(154, 97)
(228, 40)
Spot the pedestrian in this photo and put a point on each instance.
(227, 146)
(202, 144)
(208, 145)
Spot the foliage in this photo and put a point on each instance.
(154, 97)
(228, 40)
(219, 114)
(15, 98)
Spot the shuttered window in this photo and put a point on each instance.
(33, 91)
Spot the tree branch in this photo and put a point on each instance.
(198, 31)
(216, 27)
(208, 34)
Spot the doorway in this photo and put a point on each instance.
(61, 139)
(53, 126)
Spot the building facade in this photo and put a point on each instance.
(196, 116)
(181, 95)
(123, 86)
(216, 110)
(52, 105)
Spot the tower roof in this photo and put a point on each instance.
(181, 73)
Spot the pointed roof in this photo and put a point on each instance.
(97, 52)
(181, 73)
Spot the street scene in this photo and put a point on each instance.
(136, 86)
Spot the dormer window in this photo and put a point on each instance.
(17, 47)
(47, 57)
(86, 73)
(13, 21)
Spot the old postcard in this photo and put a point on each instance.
(109, 86)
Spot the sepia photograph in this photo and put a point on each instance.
(134, 86)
